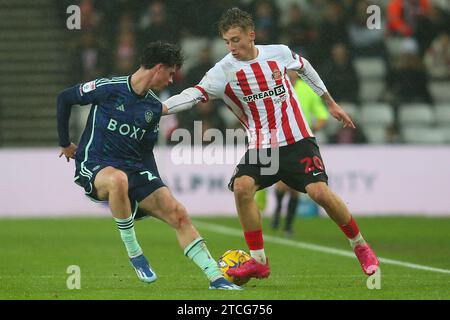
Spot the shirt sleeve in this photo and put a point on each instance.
(213, 83)
(93, 91)
(212, 86)
(81, 94)
(312, 78)
(293, 60)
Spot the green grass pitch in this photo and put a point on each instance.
(35, 254)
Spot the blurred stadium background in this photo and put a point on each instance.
(391, 80)
(394, 81)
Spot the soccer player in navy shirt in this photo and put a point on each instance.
(114, 159)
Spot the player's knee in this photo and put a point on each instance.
(180, 217)
(244, 188)
(118, 181)
(319, 193)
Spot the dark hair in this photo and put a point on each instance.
(161, 52)
(235, 17)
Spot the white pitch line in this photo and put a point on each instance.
(313, 247)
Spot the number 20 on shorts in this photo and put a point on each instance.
(312, 163)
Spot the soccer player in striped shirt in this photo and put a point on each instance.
(115, 163)
(252, 81)
(316, 115)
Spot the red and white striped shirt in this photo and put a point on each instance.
(260, 95)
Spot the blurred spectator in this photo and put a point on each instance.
(437, 57)
(407, 79)
(198, 17)
(392, 134)
(266, 22)
(333, 29)
(349, 135)
(206, 113)
(125, 51)
(110, 13)
(365, 41)
(117, 28)
(91, 18)
(301, 31)
(405, 16)
(90, 58)
(414, 18)
(197, 71)
(437, 21)
(340, 76)
(155, 25)
(193, 77)
(444, 5)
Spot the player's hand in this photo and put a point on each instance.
(337, 112)
(69, 151)
(165, 110)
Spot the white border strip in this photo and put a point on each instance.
(308, 246)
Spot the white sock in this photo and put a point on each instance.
(259, 255)
(126, 228)
(357, 240)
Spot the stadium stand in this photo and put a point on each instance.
(440, 91)
(375, 134)
(423, 135)
(377, 114)
(443, 114)
(417, 115)
(34, 69)
(377, 118)
(443, 120)
(321, 137)
(371, 90)
(370, 68)
(446, 133)
(37, 53)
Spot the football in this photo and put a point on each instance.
(232, 259)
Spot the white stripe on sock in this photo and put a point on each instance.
(259, 255)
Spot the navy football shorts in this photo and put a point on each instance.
(141, 182)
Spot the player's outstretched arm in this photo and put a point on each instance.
(312, 78)
(66, 99)
(182, 101)
(337, 112)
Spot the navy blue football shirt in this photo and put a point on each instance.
(121, 126)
